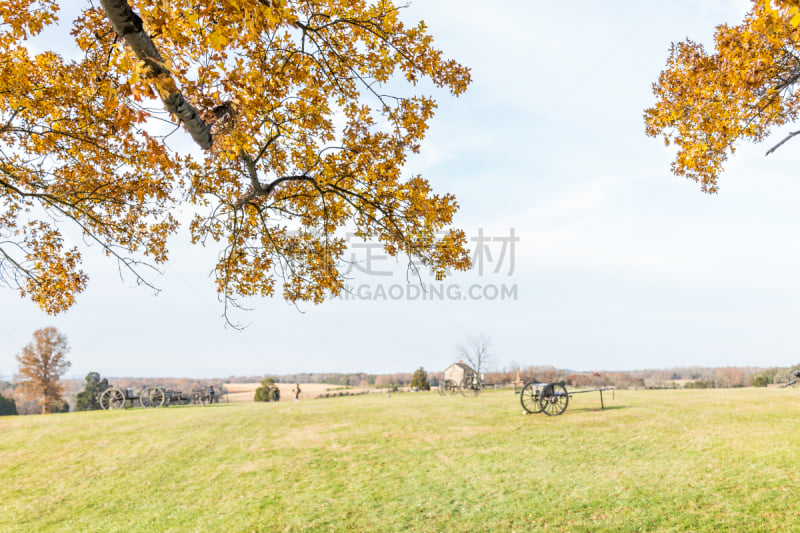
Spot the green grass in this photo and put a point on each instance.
(693, 460)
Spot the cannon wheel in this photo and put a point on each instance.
(116, 399)
(198, 398)
(529, 398)
(443, 388)
(450, 387)
(103, 400)
(470, 389)
(112, 399)
(157, 397)
(144, 398)
(554, 399)
(152, 397)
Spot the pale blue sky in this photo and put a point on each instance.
(620, 265)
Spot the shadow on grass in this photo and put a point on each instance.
(598, 409)
(578, 410)
(183, 406)
(209, 406)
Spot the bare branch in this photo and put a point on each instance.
(781, 143)
(477, 353)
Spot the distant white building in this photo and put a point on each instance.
(458, 371)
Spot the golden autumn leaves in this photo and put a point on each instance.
(303, 146)
(707, 102)
(303, 143)
(69, 151)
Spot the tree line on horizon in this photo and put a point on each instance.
(13, 401)
(38, 387)
(711, 377)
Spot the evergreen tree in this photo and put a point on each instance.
(88, 399)
(420, 380)
(7, 406)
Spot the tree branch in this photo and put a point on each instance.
(129, 25)
(781, 143)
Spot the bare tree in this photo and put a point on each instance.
(476, 353)
(41, 364)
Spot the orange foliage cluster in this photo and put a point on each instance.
(42, 362)
(286, 101)
(707, 102)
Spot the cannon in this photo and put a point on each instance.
(207, 395)
(794, 381)
(152, 397)
(470, 385)
(116, 398)
(447, 387)
(551, 398)
(161, 397)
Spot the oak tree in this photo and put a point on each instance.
(42, 362)
(709, 101)
(280, 125)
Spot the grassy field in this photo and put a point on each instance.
(687, 460)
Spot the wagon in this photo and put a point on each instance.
(551, 398)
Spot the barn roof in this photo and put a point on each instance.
(460, 364)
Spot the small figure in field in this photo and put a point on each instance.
(296, 391)
(211, 394)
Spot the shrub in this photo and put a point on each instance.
(267, 391)
(699, 384)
